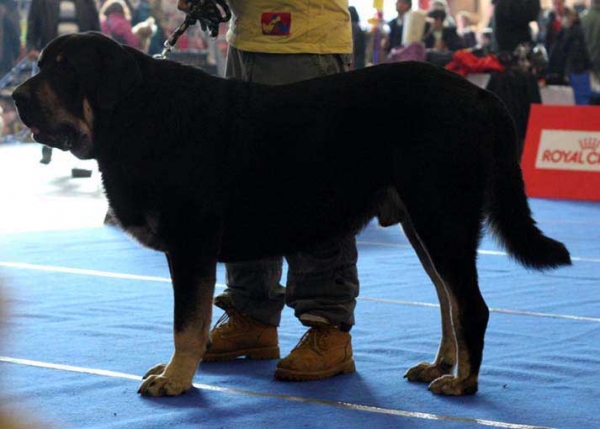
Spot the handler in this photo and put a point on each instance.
(279, 42)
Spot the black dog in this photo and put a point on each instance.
(207, 170)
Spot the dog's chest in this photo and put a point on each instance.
(137, 219)
(148, 232)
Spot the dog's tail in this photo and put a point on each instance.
(509, 215)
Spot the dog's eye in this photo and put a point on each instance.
(66, 77)
(62, 66)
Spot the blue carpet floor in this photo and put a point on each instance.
(90, 312)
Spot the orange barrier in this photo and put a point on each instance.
(561, 157)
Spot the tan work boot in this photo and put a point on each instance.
(322, 352)
(236, 334)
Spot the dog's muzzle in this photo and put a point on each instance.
(63, 139)
(22, 98)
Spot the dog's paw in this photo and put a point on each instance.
(155, 370)
(426, 372)
(157, 383)
(451, 386)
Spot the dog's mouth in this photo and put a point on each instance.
(65, 138)
(37, 129)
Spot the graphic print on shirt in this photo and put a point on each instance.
(276, 23)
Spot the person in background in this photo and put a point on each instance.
(590, 24)
(359, 40)
(115, 21)
(396, 27)
(551, 23)
(580, 7)
(511, 23)
(377, 32)
(10, 31)
(438, 36)
(48, 19)
(518, 87)
(443, 5)
(152, 9)
(272, 43)
(569, 62)
(465, 29)
(485, 42)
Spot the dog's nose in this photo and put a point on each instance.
(21, 95)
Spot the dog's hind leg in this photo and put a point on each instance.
(446, 241)
(445, 359)
(392, 211)
(193, 292)
(469, 315)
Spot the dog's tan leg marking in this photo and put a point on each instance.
(392, 211)
(464, 383)
(176, 377)
(452, 347)
(446, 356)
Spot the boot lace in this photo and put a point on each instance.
(315, 338)
(231, 320)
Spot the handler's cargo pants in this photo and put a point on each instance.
(321, 283)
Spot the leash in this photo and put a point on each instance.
(209, 13)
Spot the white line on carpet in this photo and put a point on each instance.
(96, 273)
(481, 251)
(291, 398)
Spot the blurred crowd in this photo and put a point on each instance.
(559, 43)
(568, 37)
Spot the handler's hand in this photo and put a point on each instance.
(183, 5)
(33, 54)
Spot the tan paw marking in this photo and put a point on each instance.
(452, 386)
(426, 372)
(156, 383)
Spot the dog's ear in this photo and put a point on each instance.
(107, 70)
(122, 75)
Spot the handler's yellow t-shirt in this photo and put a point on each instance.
(290, 26)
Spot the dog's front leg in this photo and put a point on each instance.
(193, 287)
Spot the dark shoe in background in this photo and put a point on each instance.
(81, 172)
(46, 155)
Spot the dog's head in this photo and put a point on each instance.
(81, 76)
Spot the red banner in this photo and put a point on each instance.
(561, 158)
